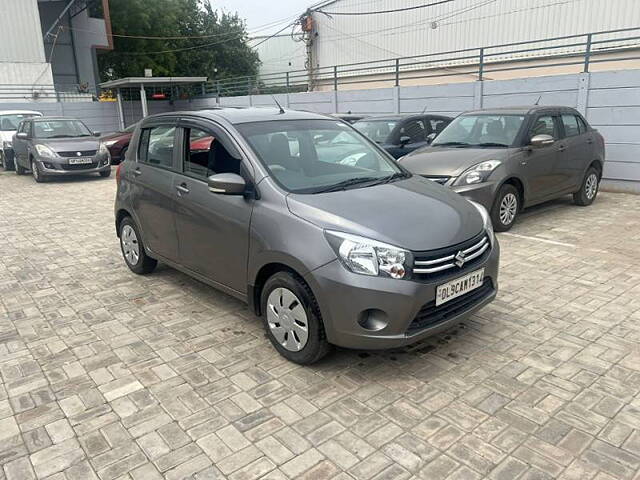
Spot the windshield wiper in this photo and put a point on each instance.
(491, 144)
(392, 177)
(59, 136)
(451, 144)
(347, 183)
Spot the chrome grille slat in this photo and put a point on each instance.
(446, 262)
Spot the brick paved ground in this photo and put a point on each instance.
(114, 376)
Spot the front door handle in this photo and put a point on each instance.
(590, 140)
(182, 189)
(137, 172)
(562, 148)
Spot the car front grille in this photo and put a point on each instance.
(74, 153)
(431, 315)
(85, 166)
(456, 258)
(438, 179)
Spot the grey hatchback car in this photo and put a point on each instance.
(318, 240)
(510, 158)
(56, 146)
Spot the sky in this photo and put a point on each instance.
(261, 12)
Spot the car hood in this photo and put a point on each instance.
(449, 161)
(68, 144)
(415, 213)
(117, 136)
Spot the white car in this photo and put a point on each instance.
(9, 120)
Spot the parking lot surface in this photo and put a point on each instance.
(110, 375)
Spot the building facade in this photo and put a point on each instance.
(48, 47)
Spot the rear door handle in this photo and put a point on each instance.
(562, 148)
(182, 189)
(137, 172)
(590, 140)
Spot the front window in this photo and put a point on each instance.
(9, 123)
(60, 129)
(313, 156)
(481, 131)
(376, 130)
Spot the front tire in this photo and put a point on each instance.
(105, 173)
(35, 171)
(505, 208)
(6, 163)
(292, 319)
(589, 188)
(133, 250)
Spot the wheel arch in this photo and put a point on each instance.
(263, 273)
(518, 184)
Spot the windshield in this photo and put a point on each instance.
(312, 156)
(376, 130)
(481, 130)
(9, 123)
(60, 129)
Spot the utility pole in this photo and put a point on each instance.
(306, 22)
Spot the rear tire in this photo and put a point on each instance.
(133, 251)
(292, 319)
(589, 188)
(505, 208)
(106, 173)
(20, 170)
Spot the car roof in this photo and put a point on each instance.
(18, 112)
(44, 119)
(520, 110)
(237, 115)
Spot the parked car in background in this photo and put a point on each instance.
(118, 143)
(9, 121)
(326, 252)
(53, 146)
(402, 134)
(510, 158)
(349, 117)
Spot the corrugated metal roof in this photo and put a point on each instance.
(456, 25)
(20, 32)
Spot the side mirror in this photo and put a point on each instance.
(431, 137)
(22, 136)
(96, 134)
(227, 184)
(404, 139)
(541, 140)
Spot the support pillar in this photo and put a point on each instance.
(143, 101)
(120, 110)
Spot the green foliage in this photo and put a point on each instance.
(225, 49)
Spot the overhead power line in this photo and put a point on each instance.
(388, 11)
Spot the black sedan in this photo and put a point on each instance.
(402, 134)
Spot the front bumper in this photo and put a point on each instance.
(62, 167)
(482, 193)
(348, 301)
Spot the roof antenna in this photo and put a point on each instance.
(538, 100)
(279, 106)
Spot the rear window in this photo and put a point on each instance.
(156, 146)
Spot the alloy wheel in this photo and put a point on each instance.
(591, 186)
(508, 208)
(34, 171)
(130, 245)
(287, 319)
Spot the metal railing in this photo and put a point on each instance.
(46, 93)
(582, 51)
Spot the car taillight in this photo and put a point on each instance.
(118, 172)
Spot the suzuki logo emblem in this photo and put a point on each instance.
(459, 259)
(79, 154)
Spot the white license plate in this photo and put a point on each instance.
(80, 161)
(459, 286)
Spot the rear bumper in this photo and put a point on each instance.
(373, 313)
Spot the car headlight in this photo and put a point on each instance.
(369, 257)
(486, 220)
(45, 151)
(478, 173)
(102, 149)
(108, 143)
